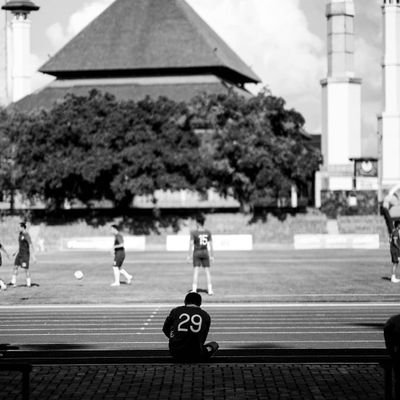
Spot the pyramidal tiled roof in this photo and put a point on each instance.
(138, 37)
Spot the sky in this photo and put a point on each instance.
(283, 41)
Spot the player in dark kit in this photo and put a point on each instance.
(3, 286)
(395, 250)
(25, 249)
(187, 328)
(201, 249)
(119, 257)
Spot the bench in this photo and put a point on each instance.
(24, 360)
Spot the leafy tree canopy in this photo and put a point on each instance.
(259, 149)
(96, 147)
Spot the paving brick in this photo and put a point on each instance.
(202, 381)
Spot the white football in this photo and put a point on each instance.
(78, 274)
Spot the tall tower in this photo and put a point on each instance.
(341, 99)
(389, 120)
(4, 76)
(19, 49)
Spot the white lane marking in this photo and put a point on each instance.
(301, 341)
(148, 320)
(312, 295)
(159, 306)
(234, 330)
(226, 342)
(271, 325)
(217, 320)
(214, 333)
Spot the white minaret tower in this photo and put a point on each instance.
(389, 120)
(341, 99)
(19, 48)
(4, 95)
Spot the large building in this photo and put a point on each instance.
(389, 119)
(137, 48)
(341, 102)
(144, 47)
(15, 50)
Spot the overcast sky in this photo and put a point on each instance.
(282, 40)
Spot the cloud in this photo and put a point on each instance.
(274, 39)
(371, 10)
(60, 35)
(367, 65)
(38, 79)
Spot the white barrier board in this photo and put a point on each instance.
(370, 241)
(220, 242)
(105, 243)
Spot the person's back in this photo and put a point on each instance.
(201, 238)
(187, 329)
(189, 326)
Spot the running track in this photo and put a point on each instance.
(240, 326)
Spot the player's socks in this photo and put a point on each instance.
(116, 276)
(194, 288)
(3, 286)
(14, 280)
(210, 291)
(28, 282)
(394, 279)
(126, 275)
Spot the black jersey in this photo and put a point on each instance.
(24, 241)
(395, 239)
(118, 240)
(187, 329)
(201, 239)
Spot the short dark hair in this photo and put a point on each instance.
(396, 223)
(193, 298)
(115, 227)
(22, 225)
(200, 219)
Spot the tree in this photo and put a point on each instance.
(95, 147)
(55, 151)
(155, 152)
(11, 123)
(258, 147)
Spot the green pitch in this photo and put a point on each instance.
(257, 276)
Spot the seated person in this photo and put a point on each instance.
(187, 328)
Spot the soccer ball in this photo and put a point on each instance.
(78, 274)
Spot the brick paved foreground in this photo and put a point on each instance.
(200, 381)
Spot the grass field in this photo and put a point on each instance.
(258, 276)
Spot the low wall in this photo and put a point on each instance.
(266, 232)
(220, 242)
(336, 241)
(103, 243)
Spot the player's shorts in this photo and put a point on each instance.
(22, 261)
(201, 258)
(395, 254)
(119, 257)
